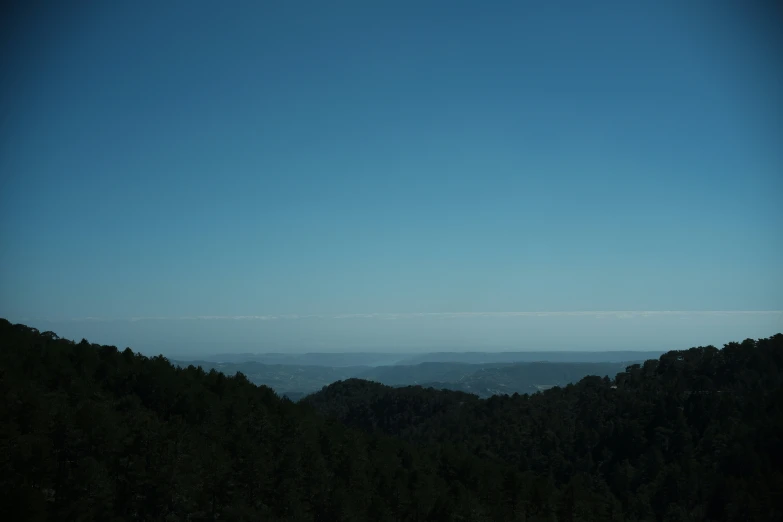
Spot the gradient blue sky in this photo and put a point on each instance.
(179, 159)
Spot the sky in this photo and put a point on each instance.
(194, 159)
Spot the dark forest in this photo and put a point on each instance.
(92, 432)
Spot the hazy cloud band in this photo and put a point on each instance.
(621, 314)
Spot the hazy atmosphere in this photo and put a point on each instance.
(391, 261)
(402, 159)
(407, 333)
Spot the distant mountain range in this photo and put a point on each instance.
(538, 356)
(336, 360)
(526, 377)
(346, 359)
(485, 379)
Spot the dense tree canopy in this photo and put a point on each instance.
(695, 435)
(89, 432)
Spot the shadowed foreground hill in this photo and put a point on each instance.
(695, 435)
(88, 432)
(92, 433)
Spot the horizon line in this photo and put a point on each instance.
(621, 314)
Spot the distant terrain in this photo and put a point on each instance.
(336, 359)
(526, 377)
(295, 381)
(347, 359)
(291, 380)
(537, 356)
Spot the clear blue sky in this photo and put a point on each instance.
(174, 159)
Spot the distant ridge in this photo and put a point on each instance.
(534, 356)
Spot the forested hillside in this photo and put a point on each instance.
(90, 432)
(695, 435)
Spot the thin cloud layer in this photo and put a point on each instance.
(618, 314)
